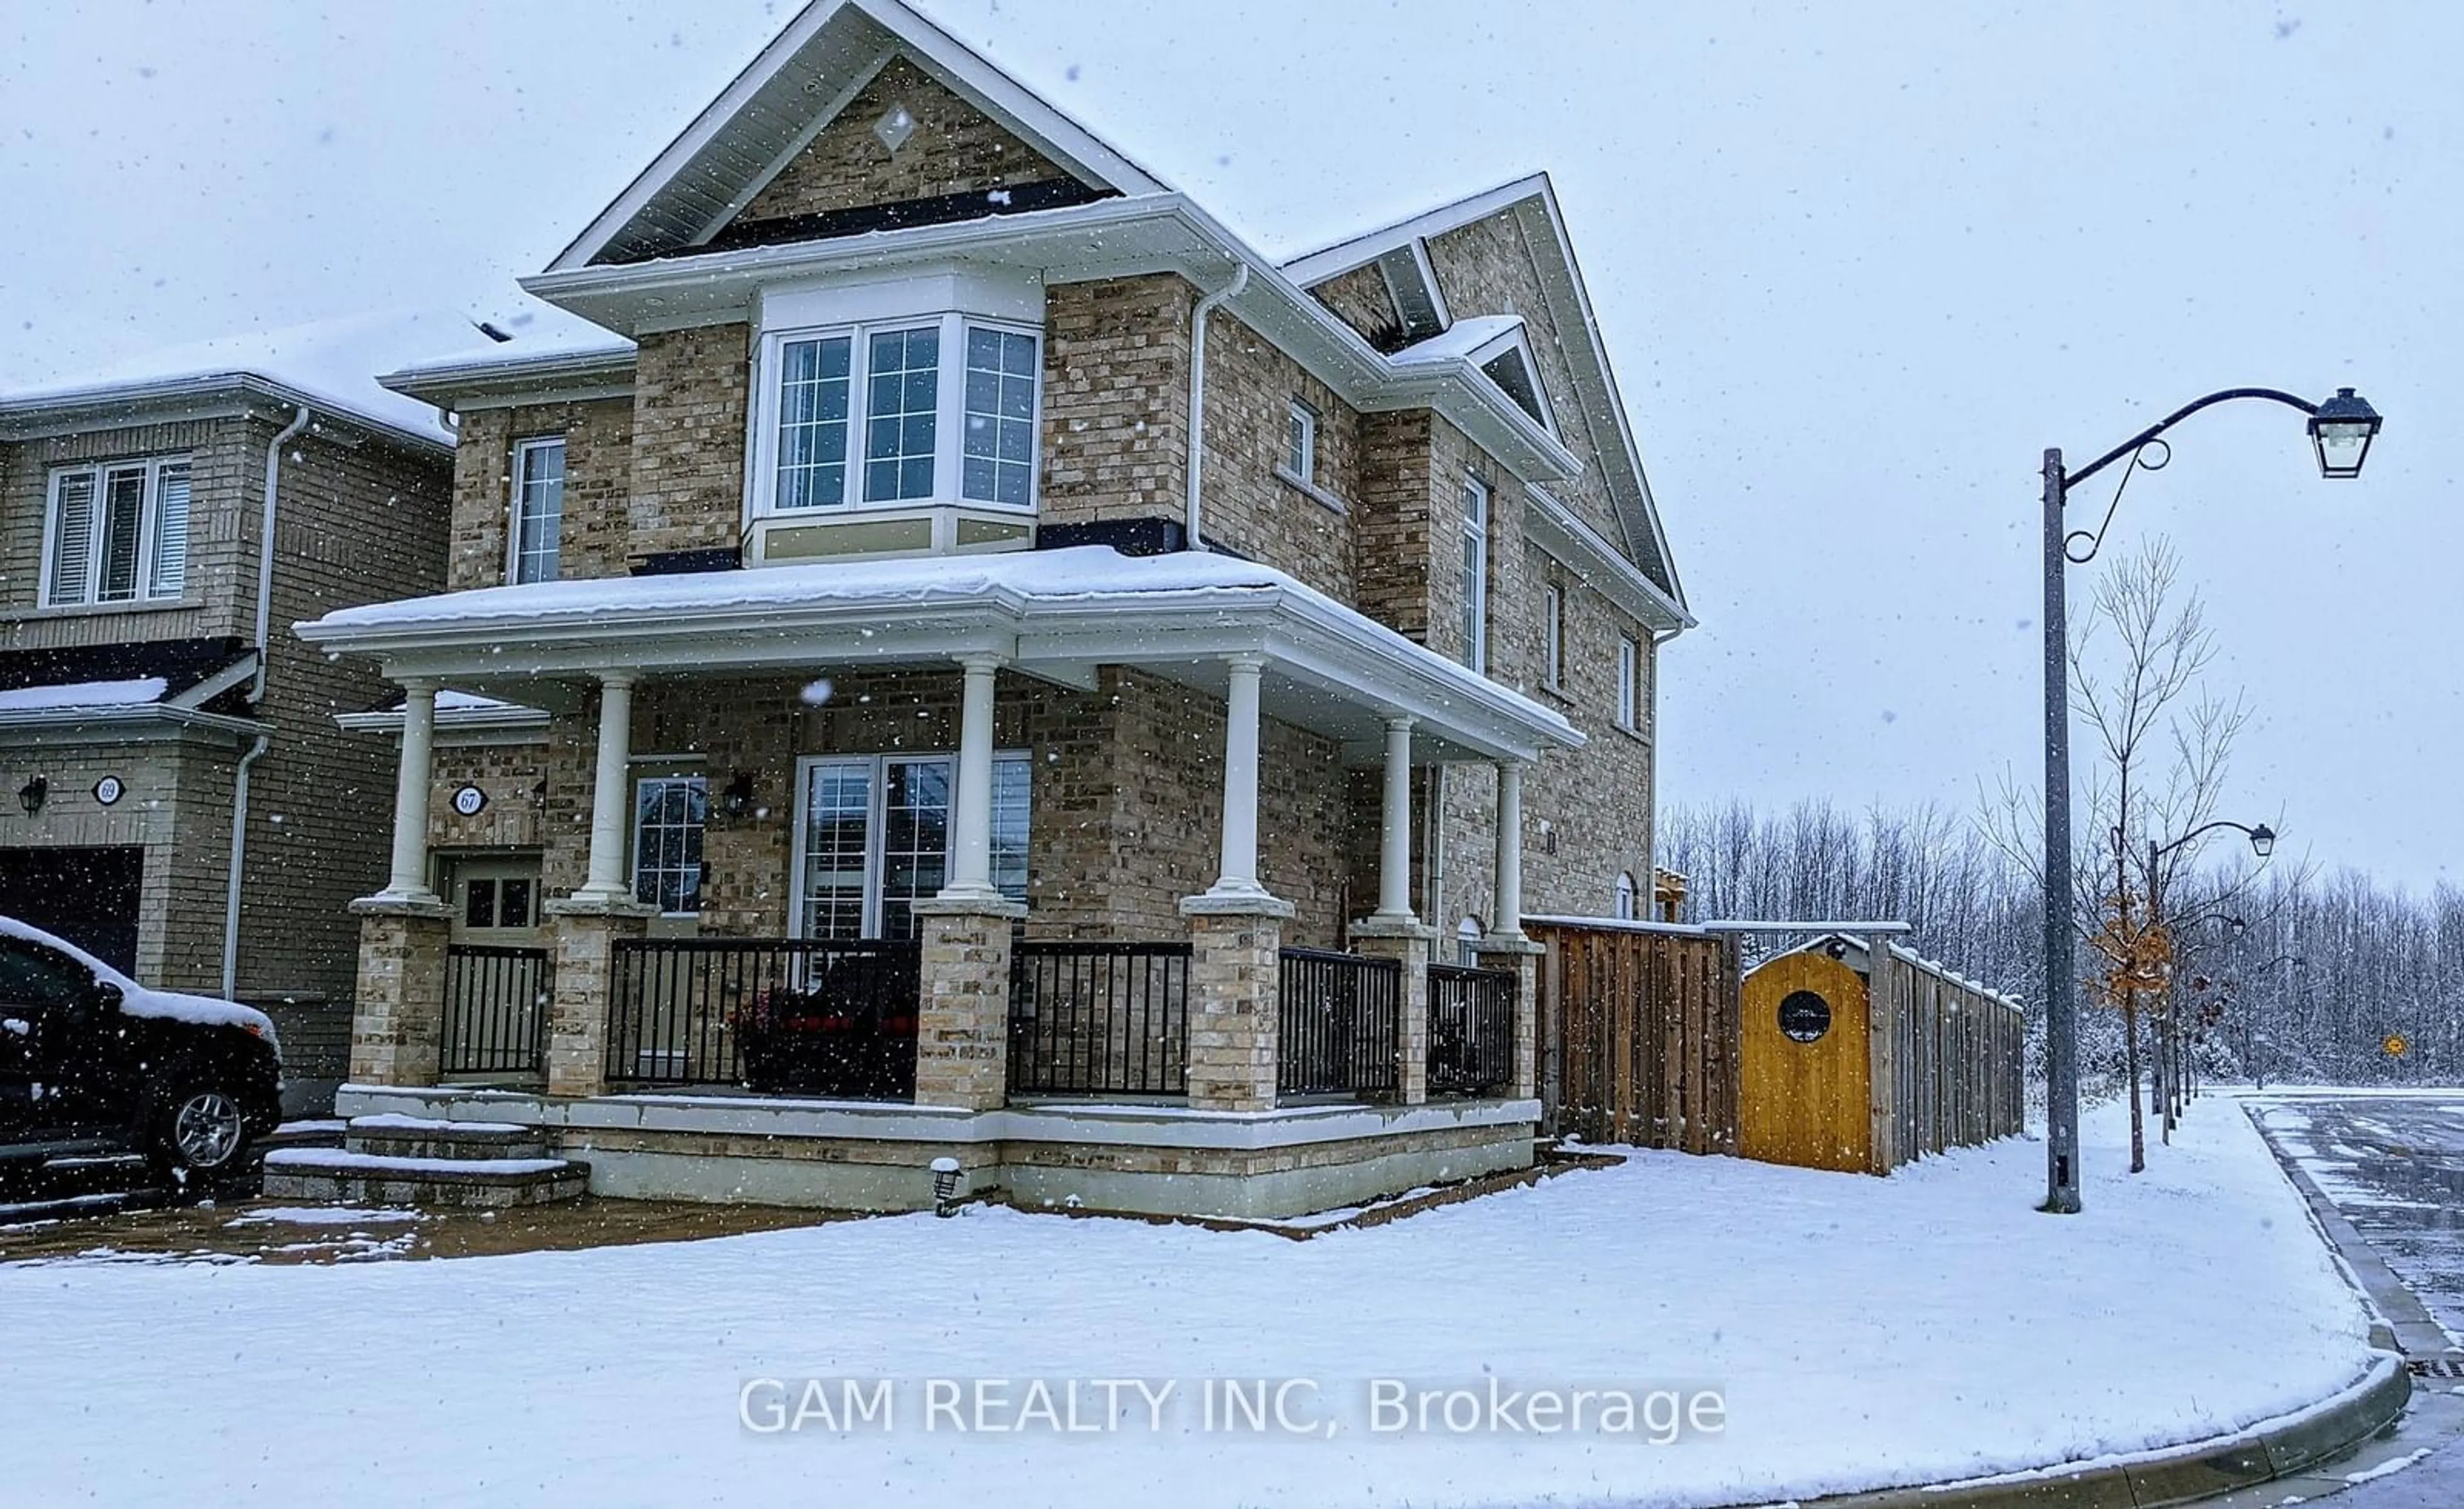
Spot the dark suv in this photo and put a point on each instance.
(92, 1063)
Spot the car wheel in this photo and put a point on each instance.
(202, 1130)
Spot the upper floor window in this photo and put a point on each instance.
(118, 532)
(1552, 635)
(538, 507)
(1626, 898)
(1300, 442)
(883, 415)
(1629, 691)
(1475, 574)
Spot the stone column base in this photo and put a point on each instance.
(1234, 1003)
(962, 1013)
(586, 930)
(1406, 941)
(1521, 955)
(398, 1007)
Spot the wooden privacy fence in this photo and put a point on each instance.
(1637, 1033)
(1861, 1060)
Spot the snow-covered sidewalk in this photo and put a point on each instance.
(1859, 1333)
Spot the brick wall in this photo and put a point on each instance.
(689, 416)
(1115, 399)
(955, 149)
(1250, 503)
(1360, 300)
(596, 536)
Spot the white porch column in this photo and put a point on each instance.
(1509, 921)
(610, 802)
(971, 803)
(1239, 870)
(1394, 828)
(408, 881)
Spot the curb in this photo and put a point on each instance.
(2280, 1448)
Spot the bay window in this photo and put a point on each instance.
(116, 533)
(940, 410)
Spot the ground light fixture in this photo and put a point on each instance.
(2341, 431)
(945, 1186)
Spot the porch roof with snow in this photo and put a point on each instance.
(1057, 615)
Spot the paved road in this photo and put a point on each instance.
(2394, 1167)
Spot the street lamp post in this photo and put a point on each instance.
(2341, 431)
(2166, 1057)
(2251, 1037)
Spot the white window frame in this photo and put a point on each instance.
(1552, 636)
(1627, 897)
(523, 449)
(877, 823)
(949, 438)
(148, 526)
(1301, 422)
(641, 777)
(1629, 692)
(1477, 498)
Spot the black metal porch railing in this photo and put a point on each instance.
(1471, 1030)
(1338, 1020)
(495, 1010)
(1096, 1018)
(812, 1016)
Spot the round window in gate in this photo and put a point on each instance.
(1804, 1017)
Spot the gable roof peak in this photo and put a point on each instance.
(809, 72)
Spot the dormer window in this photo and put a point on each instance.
(896, 420)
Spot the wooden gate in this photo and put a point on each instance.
(1808, 1085)
(1638, 1034)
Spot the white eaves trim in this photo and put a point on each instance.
(1083, 605)
(1564, 537)
(70, 412)
(858, 35)
(499, 382)
(455, 714)
(1108, 238)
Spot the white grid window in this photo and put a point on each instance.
(538, 507)
(874, 415)
(1000, 446)
(668, 814)
(902, 408)
(1629, 683)
(814, 381)
(1552, 635)
(873, 837)
(1300, 442)
(1626, 898)
(1475, 575)
(118, 532)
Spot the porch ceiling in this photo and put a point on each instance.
(1053, 614)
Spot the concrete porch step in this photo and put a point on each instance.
(389, 1136)
(361, 1178)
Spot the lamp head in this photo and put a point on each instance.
(2262, 841)
(2341, 432)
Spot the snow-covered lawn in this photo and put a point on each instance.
(1860, 1333)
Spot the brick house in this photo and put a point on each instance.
(981, 663)
(184, 805)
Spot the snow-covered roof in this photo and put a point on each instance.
(85, 695)
(329, 365)
(67, 692)
(1044, 610)
(1862, 948)
(1471, 338)
(529, 346)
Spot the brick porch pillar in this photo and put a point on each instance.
(963, 1016)
(1406, 941)
(586, 931)
(1235, 1024)
(1521, 955)
(398, 1009)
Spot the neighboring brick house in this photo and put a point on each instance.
(850, 687)
(146, 691)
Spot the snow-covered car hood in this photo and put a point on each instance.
(140, 1000)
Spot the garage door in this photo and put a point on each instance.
(86, 896)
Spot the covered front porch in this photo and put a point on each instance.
(1002, 988)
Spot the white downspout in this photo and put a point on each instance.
(1197, 391)
(255, 696)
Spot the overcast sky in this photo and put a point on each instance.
(1859, 264)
